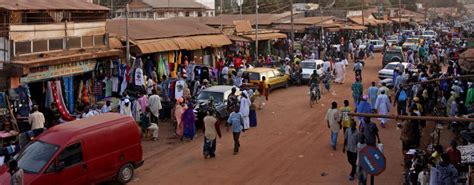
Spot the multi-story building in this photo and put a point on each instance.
(163, 9)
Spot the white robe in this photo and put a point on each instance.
(245, 111)
(340, 72)
(154, 102)
(382, 104)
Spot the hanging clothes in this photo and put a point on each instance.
(139, 80)
(115, 83)
(108, 86)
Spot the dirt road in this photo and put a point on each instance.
(290, 145)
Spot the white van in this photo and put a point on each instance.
(308, 66)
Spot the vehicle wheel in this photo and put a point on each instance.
(286, 84)
(125, 173)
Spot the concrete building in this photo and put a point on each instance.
(164, 9)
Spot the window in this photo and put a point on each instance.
(73, 42)
(270, 74)
(40, 46)
(276, 72)
(99, 40)
(186, 14)
(87, 41)
(55, 44)
(35, 156)
(71, 155)
(23, 47)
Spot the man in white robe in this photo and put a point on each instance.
(382, 104)
(245, 109)
(340, 68)
(154, 103)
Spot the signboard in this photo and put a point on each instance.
(54, 71)
(372, 160)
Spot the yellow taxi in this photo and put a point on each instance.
(273, 77)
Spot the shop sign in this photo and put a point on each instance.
(54, 71)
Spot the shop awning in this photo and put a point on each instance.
(66, 58)
(159, 45)
(366, 21)
(403, 20)
(266, 36)
(287, 28)
(333, 29)
(354, 27)
(238, 38)
(115, 43)
(182, 43)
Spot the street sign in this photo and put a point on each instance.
(372, 160)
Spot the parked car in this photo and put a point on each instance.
(378, 44)
(411, 42)
(219, 94)
(429, 34)
(394, 54)
(86, 151)
(392, 40)
(308, 66)
(387, 71)
(273, 78)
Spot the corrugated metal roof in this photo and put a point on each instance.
(49, 5)
(266, 36)
(228, 19)
(158, 29)
(186, 43)
(174, 4)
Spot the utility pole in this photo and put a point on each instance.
(400, 16)
(256, 30)
(321, 22)
(362, 12)
(127, 36)
(292, 29)
(221, 7)
(112, 8)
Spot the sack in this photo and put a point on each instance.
(402, 96)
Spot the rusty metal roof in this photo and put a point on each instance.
(158, 29)
(49, 5)
(174, 4)
(228, 19)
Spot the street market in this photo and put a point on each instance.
(143, 93)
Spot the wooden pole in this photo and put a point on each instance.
(439, 79)
(426, 118)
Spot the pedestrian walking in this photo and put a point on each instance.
(211, 131)
(154, 102)
(188, 119)
(382, 104)
(334, 124)
(351, 138)
(357, 90)
(236, 120)
(372, 92)
(253, 112)
(263, 90)
(344, 115)
(178, 113)
(245, 109)
(370, 132)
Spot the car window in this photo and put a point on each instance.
(270, 74)
(276, 72)
(308, 65)
(36, 156)
(390, 66)
(254, 76)
(71, 155)
(217, 96)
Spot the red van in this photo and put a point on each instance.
(86, 151)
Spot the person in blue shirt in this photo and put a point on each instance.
(236, 120)
(363, 107)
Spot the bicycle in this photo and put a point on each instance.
(315, 95)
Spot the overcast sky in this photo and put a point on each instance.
(209, 3)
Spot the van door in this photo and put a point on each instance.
(70, 166)
(272, 82)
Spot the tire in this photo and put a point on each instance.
(125, 173)
(286, 84)
(396, 59)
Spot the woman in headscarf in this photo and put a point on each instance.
(245, 109)
(252, 113)
(178, 113)
(188, 119)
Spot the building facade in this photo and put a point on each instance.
(164, 9)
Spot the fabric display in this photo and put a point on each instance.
(62, 109)
(69, 92)
(108, 86)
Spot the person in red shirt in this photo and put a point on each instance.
(237, 62)
(454, 154)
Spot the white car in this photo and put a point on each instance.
(308, 66)
(429, 34)
(387, 71)
(378, 44)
